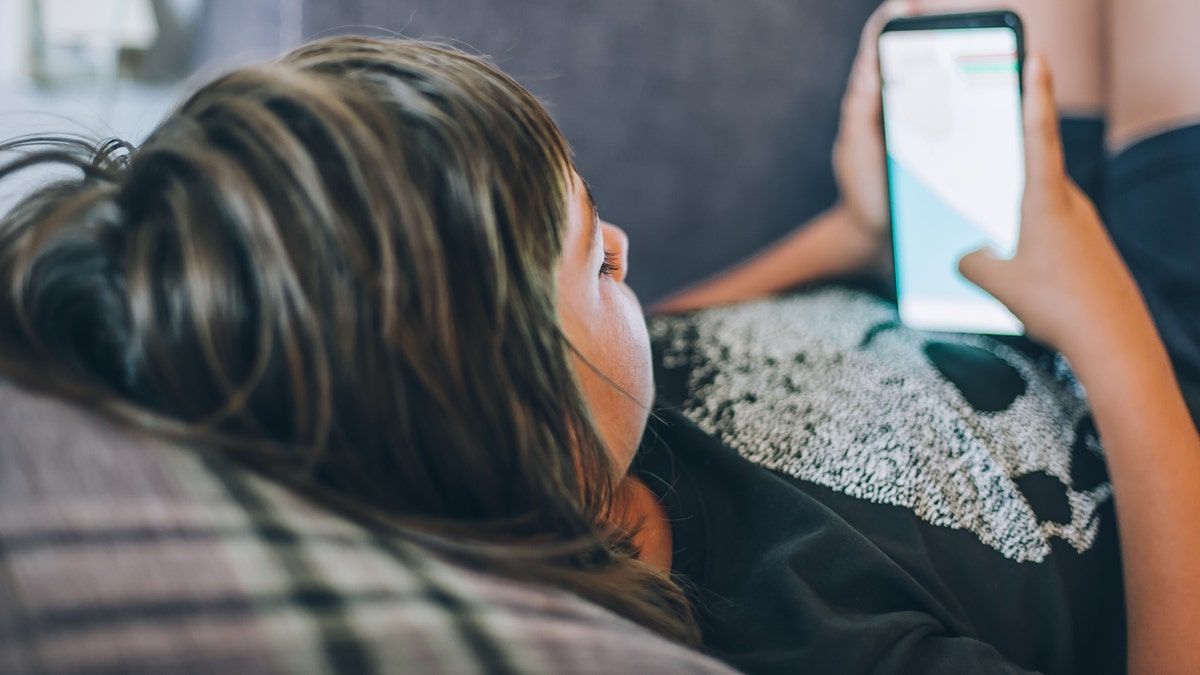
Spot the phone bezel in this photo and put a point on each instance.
(937, 22)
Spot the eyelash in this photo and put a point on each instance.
(610, 265)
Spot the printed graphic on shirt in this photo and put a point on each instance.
(963, 430)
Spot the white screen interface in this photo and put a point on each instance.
(952, 110)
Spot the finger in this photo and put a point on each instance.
(862, 107)
(946, 6)
(988, 271)
(866, 63)
(1043, 144)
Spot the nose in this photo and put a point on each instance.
(616, 242)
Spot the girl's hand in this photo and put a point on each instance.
(859, 161)
(1067, 282)
(1072, 290)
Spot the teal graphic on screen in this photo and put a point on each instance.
(952, 114)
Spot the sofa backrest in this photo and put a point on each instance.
(122, 553)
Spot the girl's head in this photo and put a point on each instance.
(369, 269)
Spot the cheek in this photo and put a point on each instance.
(605, 323)
(636, 347)
(623, 414)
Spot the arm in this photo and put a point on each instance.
(1070, 287)
(1154, 461)
(831, 245)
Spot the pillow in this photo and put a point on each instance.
(123, 554)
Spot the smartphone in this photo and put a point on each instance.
(952, 90)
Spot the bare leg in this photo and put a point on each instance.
(1071, 35)
(1153, 67)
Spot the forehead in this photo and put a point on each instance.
(581, 216)
(580, 194)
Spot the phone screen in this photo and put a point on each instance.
(956, 168)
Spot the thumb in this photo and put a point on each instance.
(988, 271)
(1043, 145)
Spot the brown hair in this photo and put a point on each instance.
(339, 269)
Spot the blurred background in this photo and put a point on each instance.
(114, 67)
(703, 126)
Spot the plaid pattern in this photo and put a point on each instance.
(122, 554)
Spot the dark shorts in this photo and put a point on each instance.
(1149, 196)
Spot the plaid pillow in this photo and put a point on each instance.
(119, 553)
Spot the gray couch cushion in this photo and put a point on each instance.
(123, 554)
